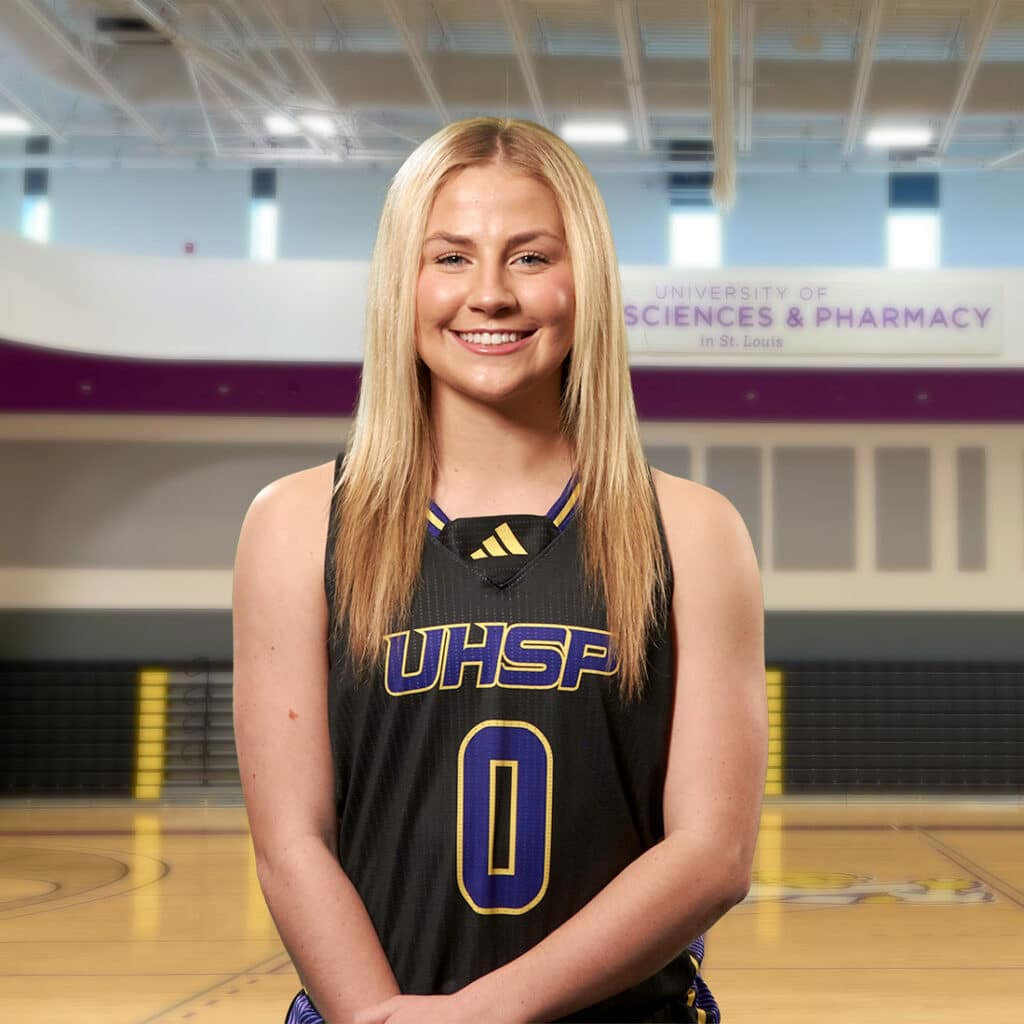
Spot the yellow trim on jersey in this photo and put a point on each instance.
(425, 633)
(493, 547)
(510, 540)
(561, 647)
(568, 506)
(493, 544)
(547, 817)
(434, 520)
(466, 646)
(492, 793)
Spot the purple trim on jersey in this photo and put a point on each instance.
(302, 1011)
(697, 948)
(706, 1001)
(438, 512)
(560, 501)
(435, 510)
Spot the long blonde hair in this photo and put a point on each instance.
(389, 465)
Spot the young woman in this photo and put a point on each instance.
(499, 687)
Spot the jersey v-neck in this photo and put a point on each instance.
(500, 547)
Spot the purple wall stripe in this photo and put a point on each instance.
(35, 379)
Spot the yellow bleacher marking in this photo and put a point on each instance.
(774, 686)
(151, 734)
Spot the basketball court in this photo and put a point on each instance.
(122, 915)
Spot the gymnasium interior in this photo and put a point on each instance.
(818, 213)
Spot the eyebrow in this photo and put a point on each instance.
(520, 239)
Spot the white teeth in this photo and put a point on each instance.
(490, 338)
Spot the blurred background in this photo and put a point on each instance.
(818, 209)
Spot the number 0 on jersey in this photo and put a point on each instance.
(504, 818)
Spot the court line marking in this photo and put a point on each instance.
(224, 980)
(94, 894)
(901, 828)
(942, 827)
(720, 969)
(1011, 892)
(94, 974)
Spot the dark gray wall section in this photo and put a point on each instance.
(814, 508)
(971, 506)
(903, 504)
(177, 637)
(736, 472)
(134, 504)
(675, 461)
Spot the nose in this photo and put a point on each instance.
(489, 290)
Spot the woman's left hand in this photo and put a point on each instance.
(424, 1010)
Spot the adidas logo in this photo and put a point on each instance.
(492, 545)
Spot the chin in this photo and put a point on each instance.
(493, 395)
(488, 392)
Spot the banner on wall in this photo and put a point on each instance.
(294, 311)
(819, 313)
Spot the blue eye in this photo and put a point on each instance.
(534, 256)
(443, 260)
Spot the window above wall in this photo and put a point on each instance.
(695, 237)
(914, 226)
(35, 200)
(695, 226)
(913, 240)
(35, 218)
(263, 214)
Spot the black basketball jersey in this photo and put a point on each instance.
(490, 781)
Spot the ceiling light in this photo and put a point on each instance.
(278, 124)
(13, 124)
(600, 132)
(894, 137)
(319, 124)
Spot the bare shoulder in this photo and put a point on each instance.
(279, 625)
(676, 491)
(294, 507)
(285, 529)
(688, 507)
(307, 492)
(703, 527)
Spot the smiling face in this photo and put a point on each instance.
(495, 299)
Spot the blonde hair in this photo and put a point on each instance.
(389, 465)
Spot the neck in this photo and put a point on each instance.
(499, 453)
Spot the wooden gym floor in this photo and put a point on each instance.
(912, 911)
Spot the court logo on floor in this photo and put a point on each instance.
(841, 889)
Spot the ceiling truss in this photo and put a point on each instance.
(772, 82)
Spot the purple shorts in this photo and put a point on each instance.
(302, 1011)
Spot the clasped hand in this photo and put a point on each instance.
(448, 1009)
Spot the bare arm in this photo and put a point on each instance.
(280, 708)
(651, 911)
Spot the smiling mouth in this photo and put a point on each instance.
(492, 337)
